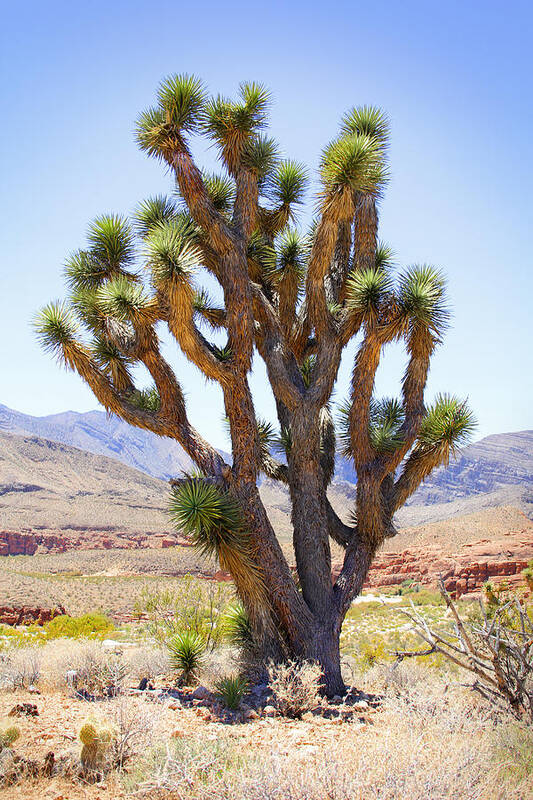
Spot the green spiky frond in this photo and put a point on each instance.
(386, 418)
(233, 124)
(288, 183)
(152, 212)
(170, 254)
(367, 121)
(448, 423)
(56, 329)
(146, 399)
(238, 627)
(292, 251)
(224, 118)
(223, 354)
(267, 436)
(153, 134)
(260, 155)
(84, 271)
(283, 442)
(422, 298)
(261, 257)
(203, 305)
(384, 430)
(366, 289)
(111, 361)
(213, 521)
(221, 190)
(186, 650)
(384, 256)
(159, 130)
(354, 162)
(111, 241)
(182, 99)
(85, 304)
(207, 515)
(306, 368)
(125, 301)
(343, 428)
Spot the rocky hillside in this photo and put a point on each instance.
(105, 435)
(51, 487)
(498, 470)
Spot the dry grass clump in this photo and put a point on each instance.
(424, 742)
(295, 687)
(20, 667)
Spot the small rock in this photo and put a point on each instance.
(360, 704)
(174, 706)
(251, 714)
(24, 710)
(269, 711)
(33, 689)
(201, 693)
(335, 700)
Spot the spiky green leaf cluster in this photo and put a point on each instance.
(367, 121)
(355, 162)
(238, 626)
(56, 328)
(267, 436)
(288, 183)
(260, 155)
(182, 99)
(208, 515)
(152, 212)
(159, 130)
(83, 271)
(422, 297)
(292, 250)
(231, 690)
(386, 418)
(384, 259)
(111, 241)
(366, 289)
(146, 399)
(448, 422)
(186, 650)
(225, 118)
(171, 253)
(124, 300)
(112, 362)
(261, 255)
(306, 368)
(221, 190)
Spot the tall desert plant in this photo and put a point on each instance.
(295, 298)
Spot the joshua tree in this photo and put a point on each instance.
(295, 299)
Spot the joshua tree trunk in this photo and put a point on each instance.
(293, 300)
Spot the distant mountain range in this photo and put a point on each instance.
(496, 471)
(105, 435)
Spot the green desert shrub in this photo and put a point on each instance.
(87, 626)
(231, 690)
(186, 650)
(190, 605)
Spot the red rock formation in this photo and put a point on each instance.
(28, 615)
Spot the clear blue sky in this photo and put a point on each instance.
(455, 78)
